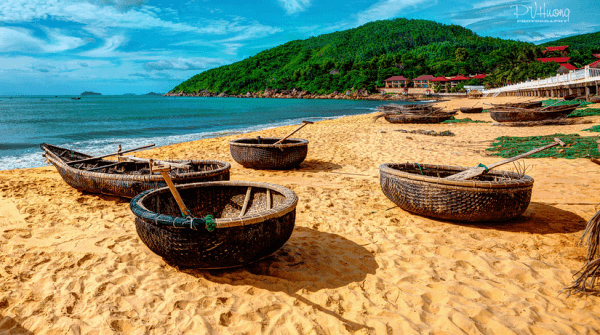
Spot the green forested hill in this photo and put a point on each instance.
(363, 57)
(591, 40)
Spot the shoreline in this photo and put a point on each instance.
(361, 94)
(355, 263)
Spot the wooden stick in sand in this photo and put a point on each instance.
(164, 171)
(111, 154)
(304, 123)
(478, 170)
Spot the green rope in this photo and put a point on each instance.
(419, 168)
(483, 166)
(210, 223)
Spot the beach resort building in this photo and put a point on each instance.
(423, 84)
(396, 82)
(458, 79)
(423, 81)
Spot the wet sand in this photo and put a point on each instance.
(356, 264)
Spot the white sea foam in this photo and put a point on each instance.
(33, 157)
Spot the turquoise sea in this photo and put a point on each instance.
(97, 124)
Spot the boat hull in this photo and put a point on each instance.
(126, 185)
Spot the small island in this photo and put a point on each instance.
(89, 93)
(157, 94)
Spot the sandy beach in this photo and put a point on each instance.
(72, 262)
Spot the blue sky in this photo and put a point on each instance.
(138, 46)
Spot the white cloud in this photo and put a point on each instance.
(29, 64)
(386, 9)
(108, 49)
(294, 6)
(14, 39)
(232, 48)
(183, 64)
(91, 14)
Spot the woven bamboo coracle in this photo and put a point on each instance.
(403, 118)
(419, 188)
(126, 179)
(267, 155)
(266, 225)
(531, 114)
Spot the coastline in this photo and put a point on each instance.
(360, 94)
(354, 264)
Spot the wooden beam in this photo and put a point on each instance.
(108, 155)
(149, 161)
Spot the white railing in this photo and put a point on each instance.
(572, 77)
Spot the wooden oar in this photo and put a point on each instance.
(304, 123)
(476, 171)
(164, 171)
(111, 154)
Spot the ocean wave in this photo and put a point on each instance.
(32, 157)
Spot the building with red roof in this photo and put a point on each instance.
(456, 80)
(439, 79)
(565, 68)
(554, 59)
(423, 81)
(596, 55)
(479, 76)
(396, 81)
(595, 64)
(568, 66)
(561, 48)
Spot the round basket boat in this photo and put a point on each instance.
(419, 188)
(471, 110)
(268, 155)
(416, 118)
(267, 224)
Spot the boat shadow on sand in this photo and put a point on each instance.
(310, 260)
(9, 325)
(539, 218)
(315, 165)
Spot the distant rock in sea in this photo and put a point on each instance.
(129, 94)
(89, 93)
(152, 93)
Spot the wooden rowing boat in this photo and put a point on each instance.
(471, 110)
(537, 114)
(126, 178)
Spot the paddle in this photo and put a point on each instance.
(164, 171)
(304, 123)
(479, 170)
(111, 154)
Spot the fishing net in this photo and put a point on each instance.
(577, 146)
(585, 112)
(466, 120)
(595, 129)
(556, 102)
